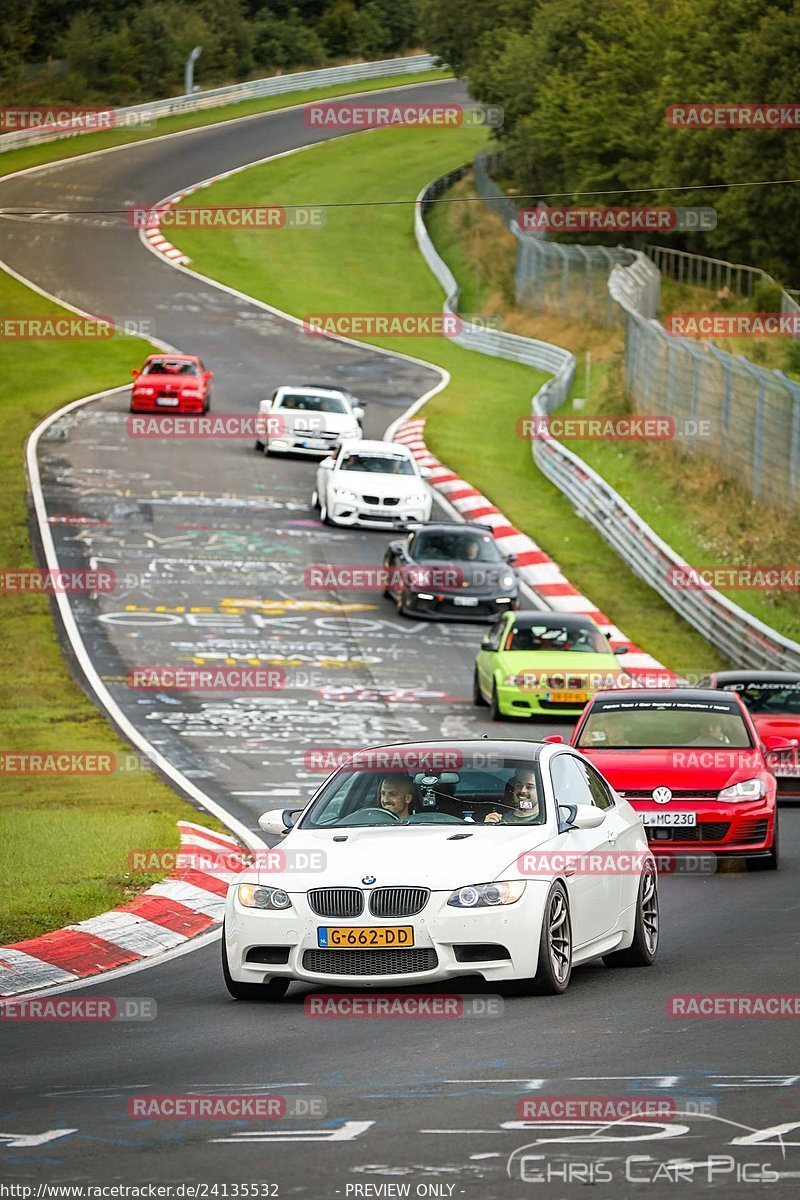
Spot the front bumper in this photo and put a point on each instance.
(528, 702)
(297, 444)
(736, 829)
(149, 404)
(441, 934)
(376, 516)
(442, 607)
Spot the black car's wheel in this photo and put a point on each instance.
(401, 604)
(258, 446)
(387, 566)
(495, 704)
(273, 989)
(644, 947)
(554, 967)
(477, 695)
(771, 861)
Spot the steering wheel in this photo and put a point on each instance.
(354, 818)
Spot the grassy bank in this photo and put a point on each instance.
(365, 259)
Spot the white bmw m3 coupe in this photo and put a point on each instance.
(513, 861)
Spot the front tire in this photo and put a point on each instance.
(554, 966)
(644, 947)
(273, 989)
(323, 514)
(477, 695)
(495, 704)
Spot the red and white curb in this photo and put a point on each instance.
(535, 567)
(190, 902)
(152, 230)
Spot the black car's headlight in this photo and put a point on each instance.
(254, 895)
(487, 895)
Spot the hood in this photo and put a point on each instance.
(422, 856)
(770, 725)
(683, 768)
(371, 484)
(595, 670)
(178, 382)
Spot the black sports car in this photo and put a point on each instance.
(449, 571)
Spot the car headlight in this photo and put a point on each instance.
(507, 581)
(748, 789)
(253, 895)
(513, 681)
(487, 895)
(346, 495)
(145, 391)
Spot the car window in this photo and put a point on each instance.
(570, 781)
(550, 635)
(495, 634)
(377, 464)
(444, 545)
(601, 793)
(170, 366)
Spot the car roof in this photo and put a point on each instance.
(548, 617)
(452, 526)
(757, 677)
(309, 389)
(375, 447)
(666, 695)
(174, 357)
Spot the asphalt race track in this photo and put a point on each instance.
(212, 540)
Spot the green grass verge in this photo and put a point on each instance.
(34, 156)
(365, 259)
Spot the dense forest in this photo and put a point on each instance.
(585, 87)
(123, 51)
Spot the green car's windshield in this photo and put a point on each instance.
(557, 636)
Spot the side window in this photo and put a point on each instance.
(570, 782)
(495, 633)
(601, 794)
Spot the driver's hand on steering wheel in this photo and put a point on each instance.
(493, 818)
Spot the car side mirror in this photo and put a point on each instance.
(580, 816)
(555, 738)
(486, 644)
(327, 464)
(277, 821)
(209, 374)
(358, 412)
(425, 472)
(511, 559)
(135, 372)
(620, 650)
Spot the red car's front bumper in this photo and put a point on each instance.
(746, 828)
(149, 404)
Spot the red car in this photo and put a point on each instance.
(773, 700)
(692, 764)
(172, 383)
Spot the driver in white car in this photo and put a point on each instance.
(520, 800)
(395, 794)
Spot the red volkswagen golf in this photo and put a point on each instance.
(172, 383)
(693, 766)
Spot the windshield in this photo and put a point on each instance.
(506, 794)
(555, 636)
(455, 547)
(170, 366)
(298, 402)
(377, 464)
(765, 698)
(656, 724)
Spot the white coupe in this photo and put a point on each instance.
(515, 863)
(308, 420)
(373, 484)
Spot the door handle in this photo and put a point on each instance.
(612, 839)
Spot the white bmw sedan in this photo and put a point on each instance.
(512, 861)
(377, 484)
(308, 420)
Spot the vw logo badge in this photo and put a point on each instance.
(662, 795)
(368, 879)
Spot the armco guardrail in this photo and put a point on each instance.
(275, 85)
(742, 638)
